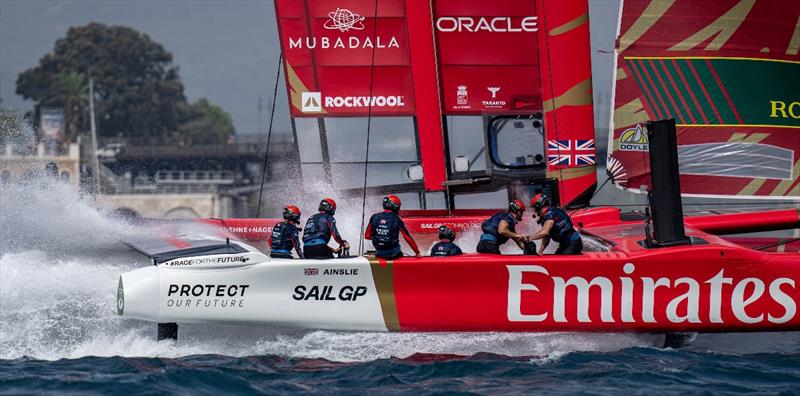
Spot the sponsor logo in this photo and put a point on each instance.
(343, 20)
(634, 139)
(500, 24)
(311, 271)
(781, 109)
(364, 101)
(206, 295)
(351, 42)
(248, 229)
(462, 96)
(456, 226)
(595, 298)
(494, 103)
(328, 293)
(207, 260)
(311, 102)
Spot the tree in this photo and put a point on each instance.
(205, 123)
(71, 89)
(138, 92)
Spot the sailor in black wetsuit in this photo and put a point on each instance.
(556, 225)
(499, 228)
(384, 230)
(445, 247)
(318, 232)
(284, 236)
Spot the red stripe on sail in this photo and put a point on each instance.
(650, 99)
(691, 92)
(655, 90)
(677, 91)
(724, 91)
(767, 187)
(675, 107)
(705, 92)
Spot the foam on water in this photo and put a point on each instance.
(60, 258)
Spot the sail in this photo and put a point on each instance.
(519, 72)
(728, 72)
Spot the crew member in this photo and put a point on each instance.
(318, 232)
(501, 227)
(285, 234)
(556, 225)
(445, 247)
(384, 229)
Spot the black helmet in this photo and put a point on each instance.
(327, 205)
(446, 233)
(291, 213)
(539, 201)
(391, 202)
(516, 206)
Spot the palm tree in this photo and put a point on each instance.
(72, 92)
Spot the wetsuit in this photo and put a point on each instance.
(491, 239)
(563, 232)
(317, 233)
(384, 230)
(445, 248)
(284, 238)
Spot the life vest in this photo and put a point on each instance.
(562, 231)
(318, 229)
(385, 230)
(444, 249)
(284, 237)
(491, 227)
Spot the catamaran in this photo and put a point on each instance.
(719, 79)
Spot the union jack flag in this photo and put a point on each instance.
(570, 152)
(311, 271)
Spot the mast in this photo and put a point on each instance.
(95, 160)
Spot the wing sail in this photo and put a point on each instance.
(727, 72)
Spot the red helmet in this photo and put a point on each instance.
(391, 202)
(516, 206)
(291, 213)
(539, 201)
(327, 205)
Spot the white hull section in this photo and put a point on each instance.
(323, 294)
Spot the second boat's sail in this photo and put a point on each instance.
(728, 72)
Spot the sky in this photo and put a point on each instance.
(226, 50)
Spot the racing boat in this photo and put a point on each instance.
(639, 273)
(668, 276)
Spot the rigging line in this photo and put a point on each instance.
(269, 134)
(780, 242)
(361, 241)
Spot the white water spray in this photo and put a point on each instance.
(60, 258)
